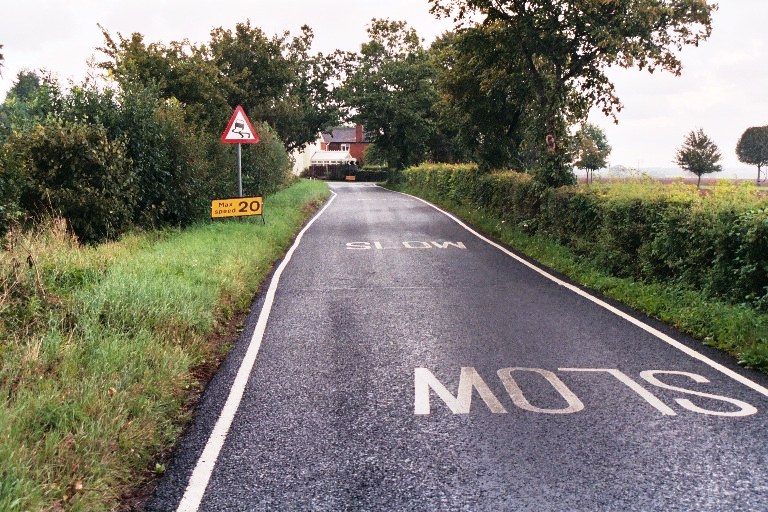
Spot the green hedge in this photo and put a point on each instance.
(715, 243)
(109, 161)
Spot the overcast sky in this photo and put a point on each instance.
(724, 87)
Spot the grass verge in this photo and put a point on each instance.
(737, 329)
(101, 347)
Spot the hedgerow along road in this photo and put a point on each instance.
(401, 361)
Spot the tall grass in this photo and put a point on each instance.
(99, 346)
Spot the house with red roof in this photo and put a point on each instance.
(340, 146)
(347, 138)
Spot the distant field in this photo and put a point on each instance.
(673, 175)
(707, 183)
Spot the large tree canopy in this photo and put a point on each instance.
(563, 47)
(487, 104)
(275, 78)
(390, 88)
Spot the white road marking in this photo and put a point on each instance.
(745, 409)
(412, 244)
(198, 482)
(470, 379)
(631, 384)
(516, 394)
(642, 325)
(424, 380)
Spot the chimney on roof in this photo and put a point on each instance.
(358, 132)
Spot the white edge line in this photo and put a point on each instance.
(198, 482)
(655, 332)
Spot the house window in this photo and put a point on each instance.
(345, 147)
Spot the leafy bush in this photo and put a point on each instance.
(337, 172)
(108, 160)
(266, 165)
(11, 182)
(76, 171)
(169, 161)
(372, 174)
(716, 243)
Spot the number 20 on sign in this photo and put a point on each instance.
(236, 207)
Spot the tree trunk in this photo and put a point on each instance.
(698, 183)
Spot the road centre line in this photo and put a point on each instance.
(198, 481)
(647, 328)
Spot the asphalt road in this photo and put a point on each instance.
(408, 364)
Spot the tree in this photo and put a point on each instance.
(180, 71)
(562, 48)
(29, 101)
(390, 86)
(698, 155)
(592, 149)
(1, 59)
(275, 79)
(752, 148)
(480, 102)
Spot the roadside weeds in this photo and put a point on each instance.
(105, 349)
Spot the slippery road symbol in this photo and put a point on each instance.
(239, 129)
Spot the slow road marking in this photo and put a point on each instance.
(575, 289)
(410, 244)
(469, 379)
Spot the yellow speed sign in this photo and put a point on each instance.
(236, 207)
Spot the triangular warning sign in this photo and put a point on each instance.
(239, 130)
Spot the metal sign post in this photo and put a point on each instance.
(240, 131)
(239, 171)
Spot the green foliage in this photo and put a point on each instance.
(716, 244)
(12, 180)
(390, 86)
(698, 155)
(167, 168)
(752, 148)
(592, 149)
(547, 58)
(372, 174)
(266, 165)
(170, 164)
(483, 104)
(75, 170)
(275, 79)
(27, 103)
(102, 346)
(179, 71)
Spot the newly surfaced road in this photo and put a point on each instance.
(399, 361)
